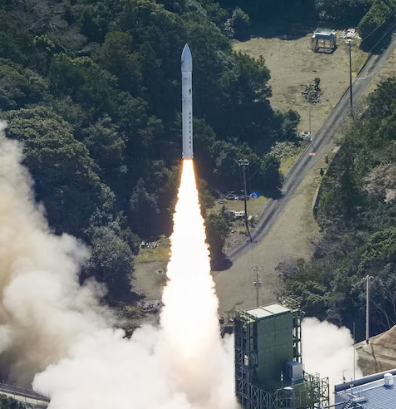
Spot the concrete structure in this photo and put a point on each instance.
(323, 40)
(29, 398)
(268, 367)
(371, 392)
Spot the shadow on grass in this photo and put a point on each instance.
(326, 50)
(221, 264)
(123, 295)
(273, 193)
(292, 31)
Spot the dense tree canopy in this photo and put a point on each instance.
(357, 211)
(372, 18)
(92, 89)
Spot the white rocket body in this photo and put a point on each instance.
(187, 112)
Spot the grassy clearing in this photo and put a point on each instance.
(160, 253)
(293, 65)
(255, 206)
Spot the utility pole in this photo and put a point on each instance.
(354, 352)
(257, 284)
(349, 42)
(310, 134)
(367, 278)
(244, 163)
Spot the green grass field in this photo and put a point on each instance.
(255, 206)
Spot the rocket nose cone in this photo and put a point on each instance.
(186, 59)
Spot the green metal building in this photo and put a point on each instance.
(268, 367)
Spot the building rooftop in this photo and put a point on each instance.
(323, 33)
(369, 392)
(268, 310)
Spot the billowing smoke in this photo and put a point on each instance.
(328, 350)
(52, 327)
(189, 320)
(43, 309)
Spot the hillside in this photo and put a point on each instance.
(357, 217)
(92, 89)
(379, 355)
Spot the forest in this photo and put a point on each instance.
(372, 18)
(92, 89)
(357, 215)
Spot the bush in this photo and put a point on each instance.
(240, 24)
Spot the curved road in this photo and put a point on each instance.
(304, 163)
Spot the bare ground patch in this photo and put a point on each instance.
(293, 65)
(147, 281)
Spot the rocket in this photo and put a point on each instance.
(187, 119)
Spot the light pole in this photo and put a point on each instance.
(354, 352)
(367, 278)
(244, 163)
(349, 42)
(258, 283)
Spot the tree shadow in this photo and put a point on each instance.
(123, 295)
(273, 193)
(376, 44)
(222, 263)
(291, 31)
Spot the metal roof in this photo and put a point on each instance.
(276, 308)
(370, 395)
(259, 313)
(323, 33)
(268, 310)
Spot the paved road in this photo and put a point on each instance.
(24, 395)
(323, 137)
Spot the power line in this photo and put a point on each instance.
(372, 48)
(393, 12)
(375, 45)
(243, 163)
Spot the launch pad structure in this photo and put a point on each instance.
(268, 361)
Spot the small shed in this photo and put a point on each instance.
(323, 40)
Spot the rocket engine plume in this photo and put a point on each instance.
(189, 319)
(56, 332)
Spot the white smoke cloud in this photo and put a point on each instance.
(43, 309)
(54, 331)
(328, 350)
(106, 370)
